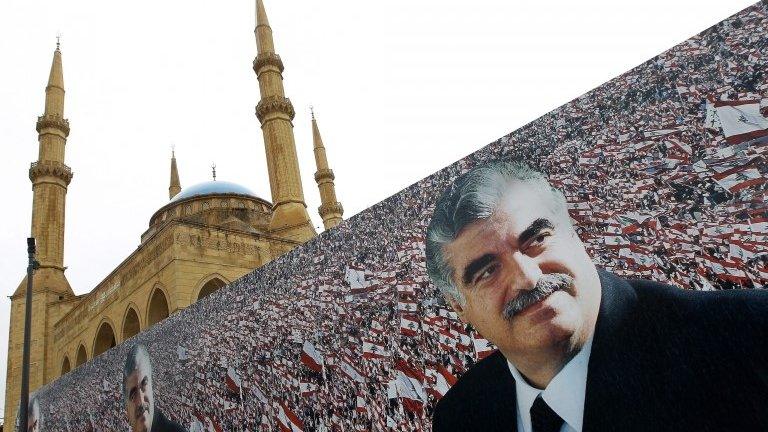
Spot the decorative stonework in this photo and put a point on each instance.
(52, 121)
(267, 59)
(330, 209)
(50, 168)
(274, 104)
(324, 174)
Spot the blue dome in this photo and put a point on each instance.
(213, 188)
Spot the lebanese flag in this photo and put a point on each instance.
(738, 178)
(288, 420)
(311, 358)
(444, 379)
(355, 277)
(409, 326)
(361, 405)
(233, 381)
(407, 306)
(483, 348)
(410, 386)
(741, 120)
(373, 350)
(307, 389)
(376, 327)
(744, 251)
(446, 340)
(350, 371)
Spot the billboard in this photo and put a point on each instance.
(664, 173)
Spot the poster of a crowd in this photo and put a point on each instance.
(663, 170)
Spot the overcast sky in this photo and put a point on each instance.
(400, 89)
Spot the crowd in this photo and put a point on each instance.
(347, 333)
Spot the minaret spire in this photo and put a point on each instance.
(49, 175)
(330, 209)
(175, 186)
(275, 112)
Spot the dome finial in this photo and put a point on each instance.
(213, 168)
(58, 41)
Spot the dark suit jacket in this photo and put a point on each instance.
(160, 423)
(663, 359)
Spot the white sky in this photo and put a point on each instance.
(401, 88)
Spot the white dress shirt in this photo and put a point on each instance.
(565, 393)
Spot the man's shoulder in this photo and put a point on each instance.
(477, 396)
(729, 301)
(483, 372)
(723, 315)
(161, 423)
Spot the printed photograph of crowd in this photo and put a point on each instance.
(664, 170)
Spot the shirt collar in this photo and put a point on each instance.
(565, 394)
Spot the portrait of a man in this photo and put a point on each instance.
(34, 416)
(138, 395)
(579, 348)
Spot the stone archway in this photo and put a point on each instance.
(131, 324)
(105, 339)
(210, 287)
(82, 356)
(65, 365)
(158, 308)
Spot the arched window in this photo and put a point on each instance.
(158, 308)
(82, 356)
(65, 365)
(105, 339)
(210, 287)
(131, 325)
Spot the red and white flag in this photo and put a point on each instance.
(741, 120)
(311, 358)
(444, 379)
(410, 386)
(288, 420)
(361, 405)
(307, 389)
(373, 350)
(739, 178)
(355, 278)
(483, 348)
(377, 327)
(409, 325)
(233, 381)
(350, 371)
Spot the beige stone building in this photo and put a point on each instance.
(207, 235)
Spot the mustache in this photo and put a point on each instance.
(546, 285)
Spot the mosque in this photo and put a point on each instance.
(206, 236)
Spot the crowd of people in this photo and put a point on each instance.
(347, 333)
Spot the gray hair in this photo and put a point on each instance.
(474, 196)
(137, 357)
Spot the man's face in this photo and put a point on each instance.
(497, 263)
(139, 403)
(33, 422)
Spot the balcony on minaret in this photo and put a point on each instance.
(52, 121)
(50, 168)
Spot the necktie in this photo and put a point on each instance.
(543, 419)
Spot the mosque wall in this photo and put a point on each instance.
(177, 262)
